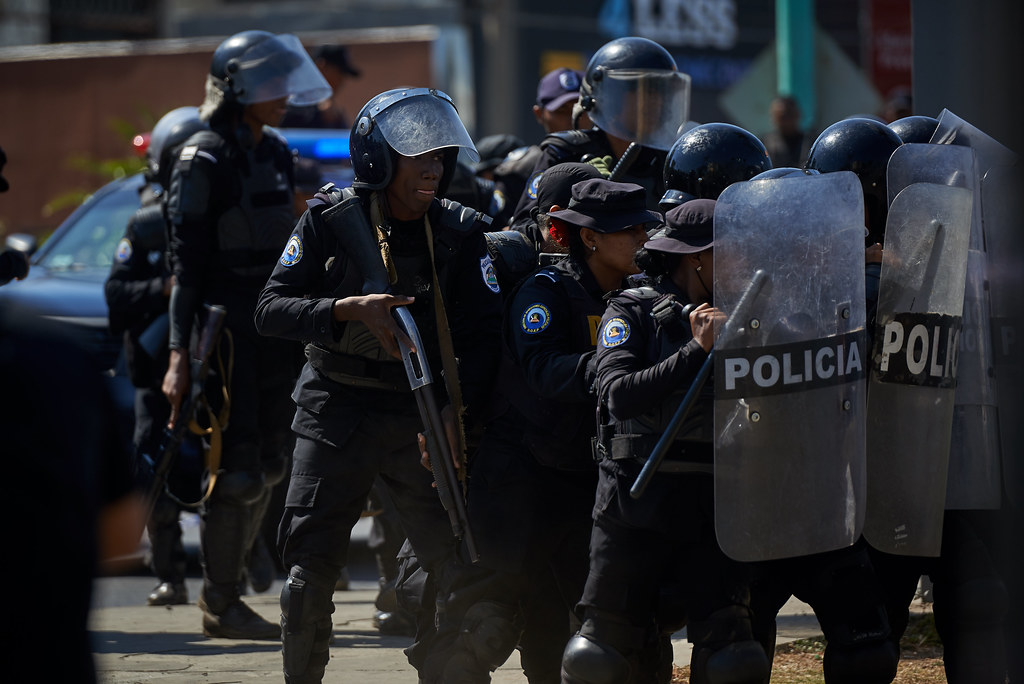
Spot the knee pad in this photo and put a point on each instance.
(306, 610)
(489, 632)
(865, 663)
(724, 648)
(585, 661)
(742, 662)
(274, 470)
(240, 487)
(848, 604)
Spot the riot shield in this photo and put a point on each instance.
(987, 408)
(974, 472)
(790, 376)
(1000, 190)
(914, 364)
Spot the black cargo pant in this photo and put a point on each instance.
(326, 493)
(531, 525)
(655, 565)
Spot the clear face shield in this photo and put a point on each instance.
(423, 120)
(646, 107)
(275, 68)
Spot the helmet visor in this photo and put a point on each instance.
(275, 68)
(422, 121)
(646, 107)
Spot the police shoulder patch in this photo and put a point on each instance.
(490, 276)
(292, 251)
(615, 332)
(536, 318)
(533, 184)
(124, 251)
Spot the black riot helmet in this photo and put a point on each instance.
(915, 129)
(633, 90)
(707, 159)
(169, 134)
(409, 122)
(863, 146)
(259, 66)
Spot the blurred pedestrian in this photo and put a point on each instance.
(336, 67)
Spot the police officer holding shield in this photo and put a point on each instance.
(229, 206)
(355, 255)
(648, 355)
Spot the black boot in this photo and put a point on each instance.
(226, 617)
(168, 594)
(223, 538)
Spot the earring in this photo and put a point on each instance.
(698, 268)
(593, 248)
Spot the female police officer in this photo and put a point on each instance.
(532, 484)
(655, 559)
(354, 255)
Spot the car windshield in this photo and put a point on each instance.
(90, 241)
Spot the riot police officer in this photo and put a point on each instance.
(137, 293)
(647, 356)
(707, 159)
(388, 241)
(634, 93)
(229, 207)
(532, 481)
(969, 595)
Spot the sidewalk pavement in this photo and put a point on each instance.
(155, 645)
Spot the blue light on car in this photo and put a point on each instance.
(331, 149)
(323, 145)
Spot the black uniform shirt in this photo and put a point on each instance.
(638, 366)
(314, 271)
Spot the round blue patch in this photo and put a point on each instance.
(616, 331)
(536, 318)
(124, 251)
(531, 187)
(292, 251)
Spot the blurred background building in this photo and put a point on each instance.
(78, 76)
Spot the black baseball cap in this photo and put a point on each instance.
(689, 228)
(605, 206)
(555, 184)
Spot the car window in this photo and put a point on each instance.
(91, 240)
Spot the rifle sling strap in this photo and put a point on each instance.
(448, 362)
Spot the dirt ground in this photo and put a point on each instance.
(799, 662)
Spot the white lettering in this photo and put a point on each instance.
(788, 377)
(687, 23)
(935, 369)
(772, 365)
(853, 360)
(892, 341)
(823, 371)
(916, 361)
(734, 369)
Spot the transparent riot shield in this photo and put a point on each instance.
(987, 407)
(914, 366)
(974, 471)
(790, 373)
(1004, 242)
